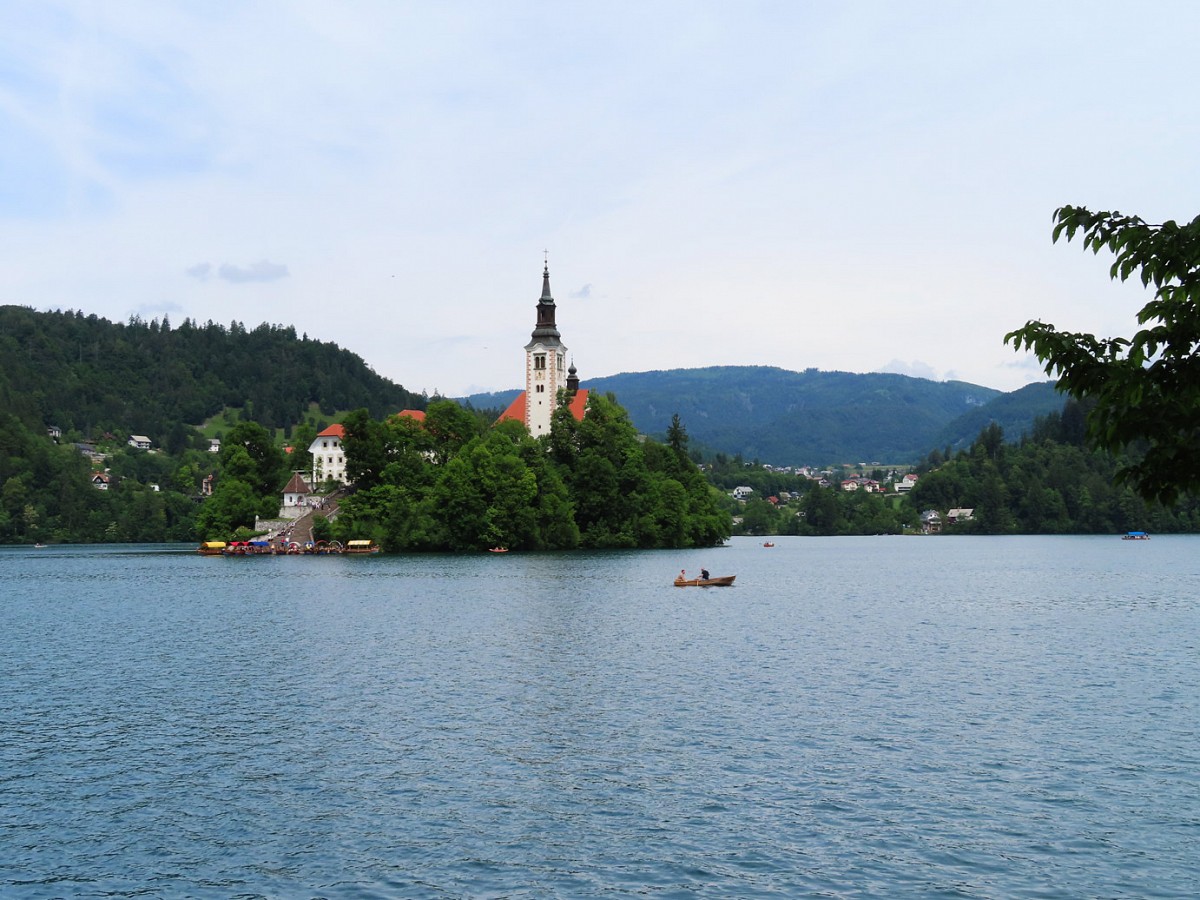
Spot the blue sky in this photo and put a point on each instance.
(853, 186)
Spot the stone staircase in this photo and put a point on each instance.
(300, 530)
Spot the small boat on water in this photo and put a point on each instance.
(324, 548)
(498, 550)
(361, 547)
(768, 543)
(1135, 536)
(246, 548)
(720, 581)
(211, 548)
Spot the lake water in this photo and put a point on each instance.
(891, 716)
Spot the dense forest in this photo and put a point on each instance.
(455, 482)
(88, 376)
(47, 492)
(1048, 483)
(98, 382)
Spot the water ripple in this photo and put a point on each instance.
(957, 718)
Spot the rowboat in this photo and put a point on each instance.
(721, 581)
(1136, 536)
(245, 548)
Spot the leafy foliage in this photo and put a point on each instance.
(1145, 389)
(1049, 483)
(99, 381)
(786, 503)
(47, 493)
(451, 484)
(90, 375)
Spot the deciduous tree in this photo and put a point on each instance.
(1146, 388)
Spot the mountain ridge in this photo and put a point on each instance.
(86, 373)
(814, 417)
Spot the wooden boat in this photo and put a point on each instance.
(246, 548)
(498, 550)
(211, 548)
(720, 581)
(1136, 536)
(361, 547)
(768, 544)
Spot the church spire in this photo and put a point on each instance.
(545, 329)
(546, 298)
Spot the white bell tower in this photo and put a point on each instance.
(545, 364)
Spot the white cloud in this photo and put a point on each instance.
(916, 369)
(259, 271)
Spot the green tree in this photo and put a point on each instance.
(677, 436)
(1145, 389)
(759, 517)
(366, 447)
(449, 427)
(822, 511)
(232, 505)
(267, 472)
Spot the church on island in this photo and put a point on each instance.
(546, 372)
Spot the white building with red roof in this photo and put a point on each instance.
(328, 456)
(546, 372)
(295, 498)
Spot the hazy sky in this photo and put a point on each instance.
(863, 186)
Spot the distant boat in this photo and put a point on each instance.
(720, 581)
(498, 550)
(358, 547)
(1136, 536)
(768, 543)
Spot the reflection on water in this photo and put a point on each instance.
(986, 717)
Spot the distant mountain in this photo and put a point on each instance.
(810, 417)
(1015, 412)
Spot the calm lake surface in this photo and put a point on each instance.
(892, 716)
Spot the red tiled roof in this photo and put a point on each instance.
(579, 404)
(516, 409)
(418, 414)
(297, 485)
(335, 430)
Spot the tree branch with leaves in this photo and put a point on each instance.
(1145, 389)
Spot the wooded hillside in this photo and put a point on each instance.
(814, 417)
(91, 375)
